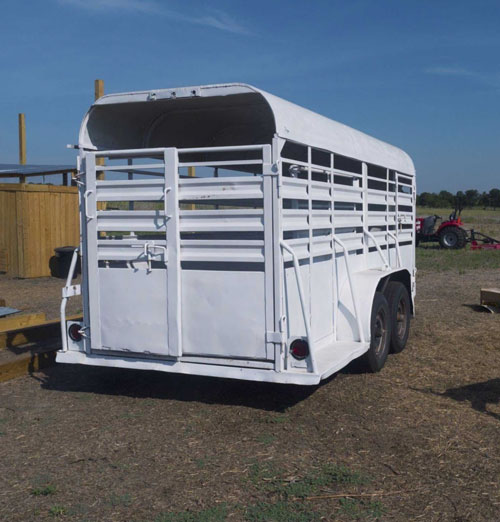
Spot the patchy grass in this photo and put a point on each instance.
(120, 500)
(361, 509)
(431, 257)
(277, 482)
(57, 511)
(49, 489)
(213, 514)
(280, 512)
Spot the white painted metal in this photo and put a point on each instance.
(217, 275)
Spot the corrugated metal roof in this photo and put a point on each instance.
(33, 170)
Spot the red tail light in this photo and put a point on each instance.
(74, 332)
(299, 349)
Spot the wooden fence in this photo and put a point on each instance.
(35, 219)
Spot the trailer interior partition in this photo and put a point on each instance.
(226, 232)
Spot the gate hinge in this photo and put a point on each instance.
(270, 169)
(274, 337)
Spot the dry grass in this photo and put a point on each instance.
(418, 441)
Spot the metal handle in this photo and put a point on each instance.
(85, 197)
(303, 305)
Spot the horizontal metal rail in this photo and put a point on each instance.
(160, 150)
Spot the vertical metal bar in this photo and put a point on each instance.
(334, 257)
(366, 250)
(267, 180)
(278, 266)
(310, 231)
(81, 172)
(174, 259)
(91, 253)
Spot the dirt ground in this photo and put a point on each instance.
(418, 441)
(42, 294)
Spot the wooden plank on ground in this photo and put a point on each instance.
(490, 296)
(15, 322)
(17, 365)
(32, 334)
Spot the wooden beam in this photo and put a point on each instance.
(15, 321)
(41, 332)
(98, 89)
(192, 174)
(22, 143)
(99, 93)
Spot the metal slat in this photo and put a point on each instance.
(197, 189)
(222, 221)
(136, 220)
(222, 251)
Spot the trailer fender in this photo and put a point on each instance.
(365, 284)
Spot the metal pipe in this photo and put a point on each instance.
(349, 277)
(398, 252)
(161, 150)
(302, 303)
(379, 250)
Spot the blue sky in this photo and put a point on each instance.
(422, 75)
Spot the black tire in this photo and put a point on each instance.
(399, 309)
(452, 238)
(380, 329)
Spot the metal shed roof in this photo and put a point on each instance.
(291, 122)
(13, 169)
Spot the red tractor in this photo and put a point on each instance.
(450, 234)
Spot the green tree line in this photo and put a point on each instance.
(469, 198)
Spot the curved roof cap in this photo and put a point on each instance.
(291, 122)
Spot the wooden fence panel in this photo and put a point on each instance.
(35, 219)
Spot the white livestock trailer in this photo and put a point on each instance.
(227, 232)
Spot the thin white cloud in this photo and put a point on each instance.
(214, 18)
(489, 80)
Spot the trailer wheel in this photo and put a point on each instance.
(399, 308)
(380, 329)
(452, 237)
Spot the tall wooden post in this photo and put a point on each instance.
(99, 93)
(192, 174)
(22, 143)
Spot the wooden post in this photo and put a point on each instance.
(22, 144)
(99, 93)
(192, 174)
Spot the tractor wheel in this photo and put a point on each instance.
(399, 308)
(452, 238)
(380, 329)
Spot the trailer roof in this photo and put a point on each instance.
(291, 122)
